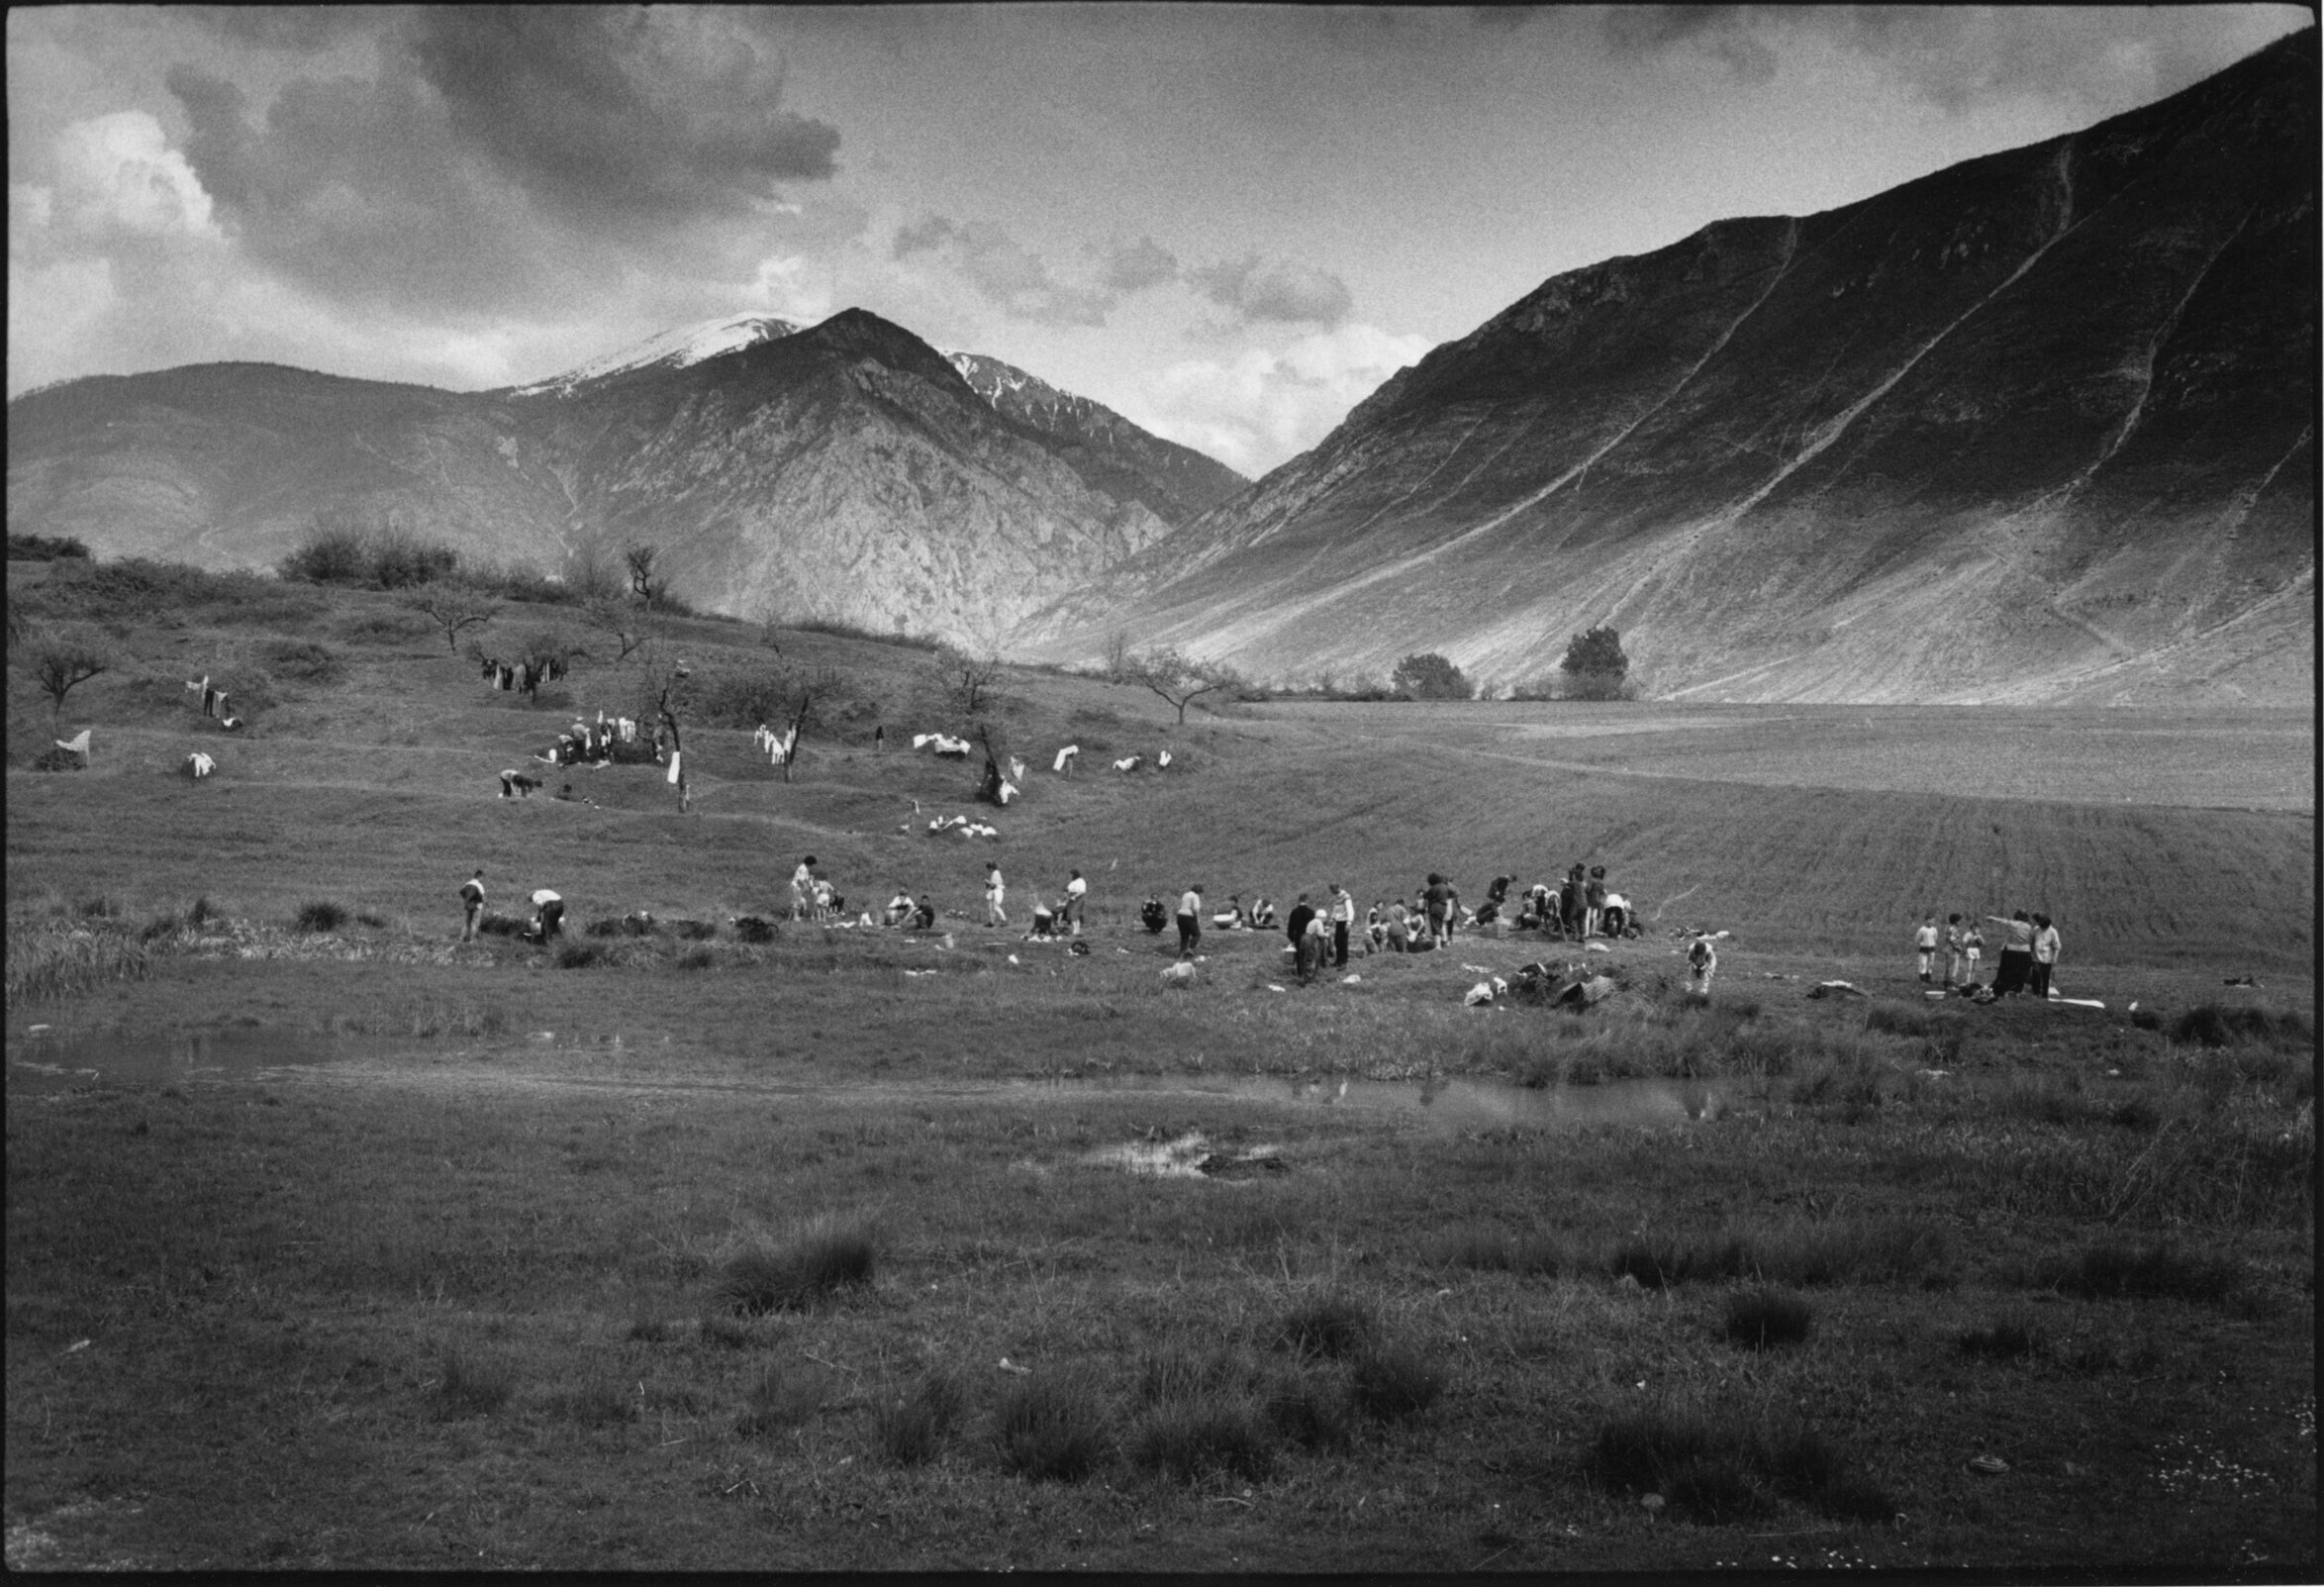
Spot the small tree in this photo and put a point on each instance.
(1594, 666)
(965, 681)
(452, 608)
(1118, 656)
(1429, 676)
(642, 583)
(625, 624)
(1179, 680)
(61, 661)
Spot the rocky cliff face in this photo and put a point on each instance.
(845, 472)
(2038, 425)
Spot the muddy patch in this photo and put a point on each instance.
(1190, 1157)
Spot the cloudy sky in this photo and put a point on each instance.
(1228, 223)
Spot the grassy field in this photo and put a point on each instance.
(697, 1251)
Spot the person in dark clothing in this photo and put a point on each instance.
(1295, 925)
(1437, 901)
(1153, 915)
(1594, 901)
(2017, 965)
(1572, 903)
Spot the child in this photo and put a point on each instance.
(1952, 950)
(1973, 949)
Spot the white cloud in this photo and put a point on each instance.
(118, 174)
(1264, 407)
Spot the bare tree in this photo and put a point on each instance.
(590, 577)
(61, 661)
(1177, 681)
(452, 608)
(1118, 656)
(965, 681)
(642, 583)
(625, 624)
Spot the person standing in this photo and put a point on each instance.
(1076, 891)
(996, 891)
(1437, 901)
(1924, 943)
(803, 889)
(472, 902)
(1295, 925)
(1343, 920)
(2046, 944)
(1954, 949)
(1593, 902)
(1702, 962)
(2015, 967)
(1190, 921)
(1973, 952)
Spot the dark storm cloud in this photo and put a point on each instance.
(621, 113)
(500, 162)
(1255, 289)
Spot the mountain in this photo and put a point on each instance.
(1107, 449)
(2039, 426)
(844, 471)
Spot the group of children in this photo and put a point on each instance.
(2029, 954)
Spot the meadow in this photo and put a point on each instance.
(827, 1251)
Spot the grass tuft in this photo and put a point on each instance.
(782, 1398)
(52, 960)
(579, 956)
(1764, 1319)
(2212, 1025)
(1189, 1439)
(1395, 1382)
(1311, 1411)
(473, 1385)
(2010, 1335)
(596, 1403)
(911, 1429)
(1727, 1470)
(2156, 1272)
(1052, 1430)
(321, 915)
(793, 1277)
(1331, 1327)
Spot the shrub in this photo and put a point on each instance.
(45, 547)
(782, 1398)
(912, 1430)
(1052, 1428)
(473, 1385)
(1764, 1319)
(321, 915)
(694, 930)
(1189, 1439)
(790, 1278)
(1326, 1326)
(1393, 1382)
(497, 924)
(756, 929)
(2213, 1025)
(54, 961)
(2012, 1335)
(2156, 1272)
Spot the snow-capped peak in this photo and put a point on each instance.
(674, 350)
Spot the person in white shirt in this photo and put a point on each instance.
(472, 900)
(1076, 891)
(803, 889)
(1925, 941)
(548, 914)
(1343, 916)
(2046, 946)
(1190, 921)
(996, 890)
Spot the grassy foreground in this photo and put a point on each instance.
(723, 1254)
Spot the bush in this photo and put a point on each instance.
(1052, 1428)
(321, 915)
(55, 961)
(1430, 676)
(1764, 1319)
(385, 557)
(2213, 1025)
(756, 929)
(1394, 1383)
(793, 1277)
(45, 547)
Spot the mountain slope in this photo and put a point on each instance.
(845, 472)
(2037, 424)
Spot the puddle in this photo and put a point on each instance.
(43, 1063)
(1456, 1103)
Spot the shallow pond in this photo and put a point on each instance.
(45, 1063)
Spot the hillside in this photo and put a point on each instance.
(2036, 426)
(844, 471)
